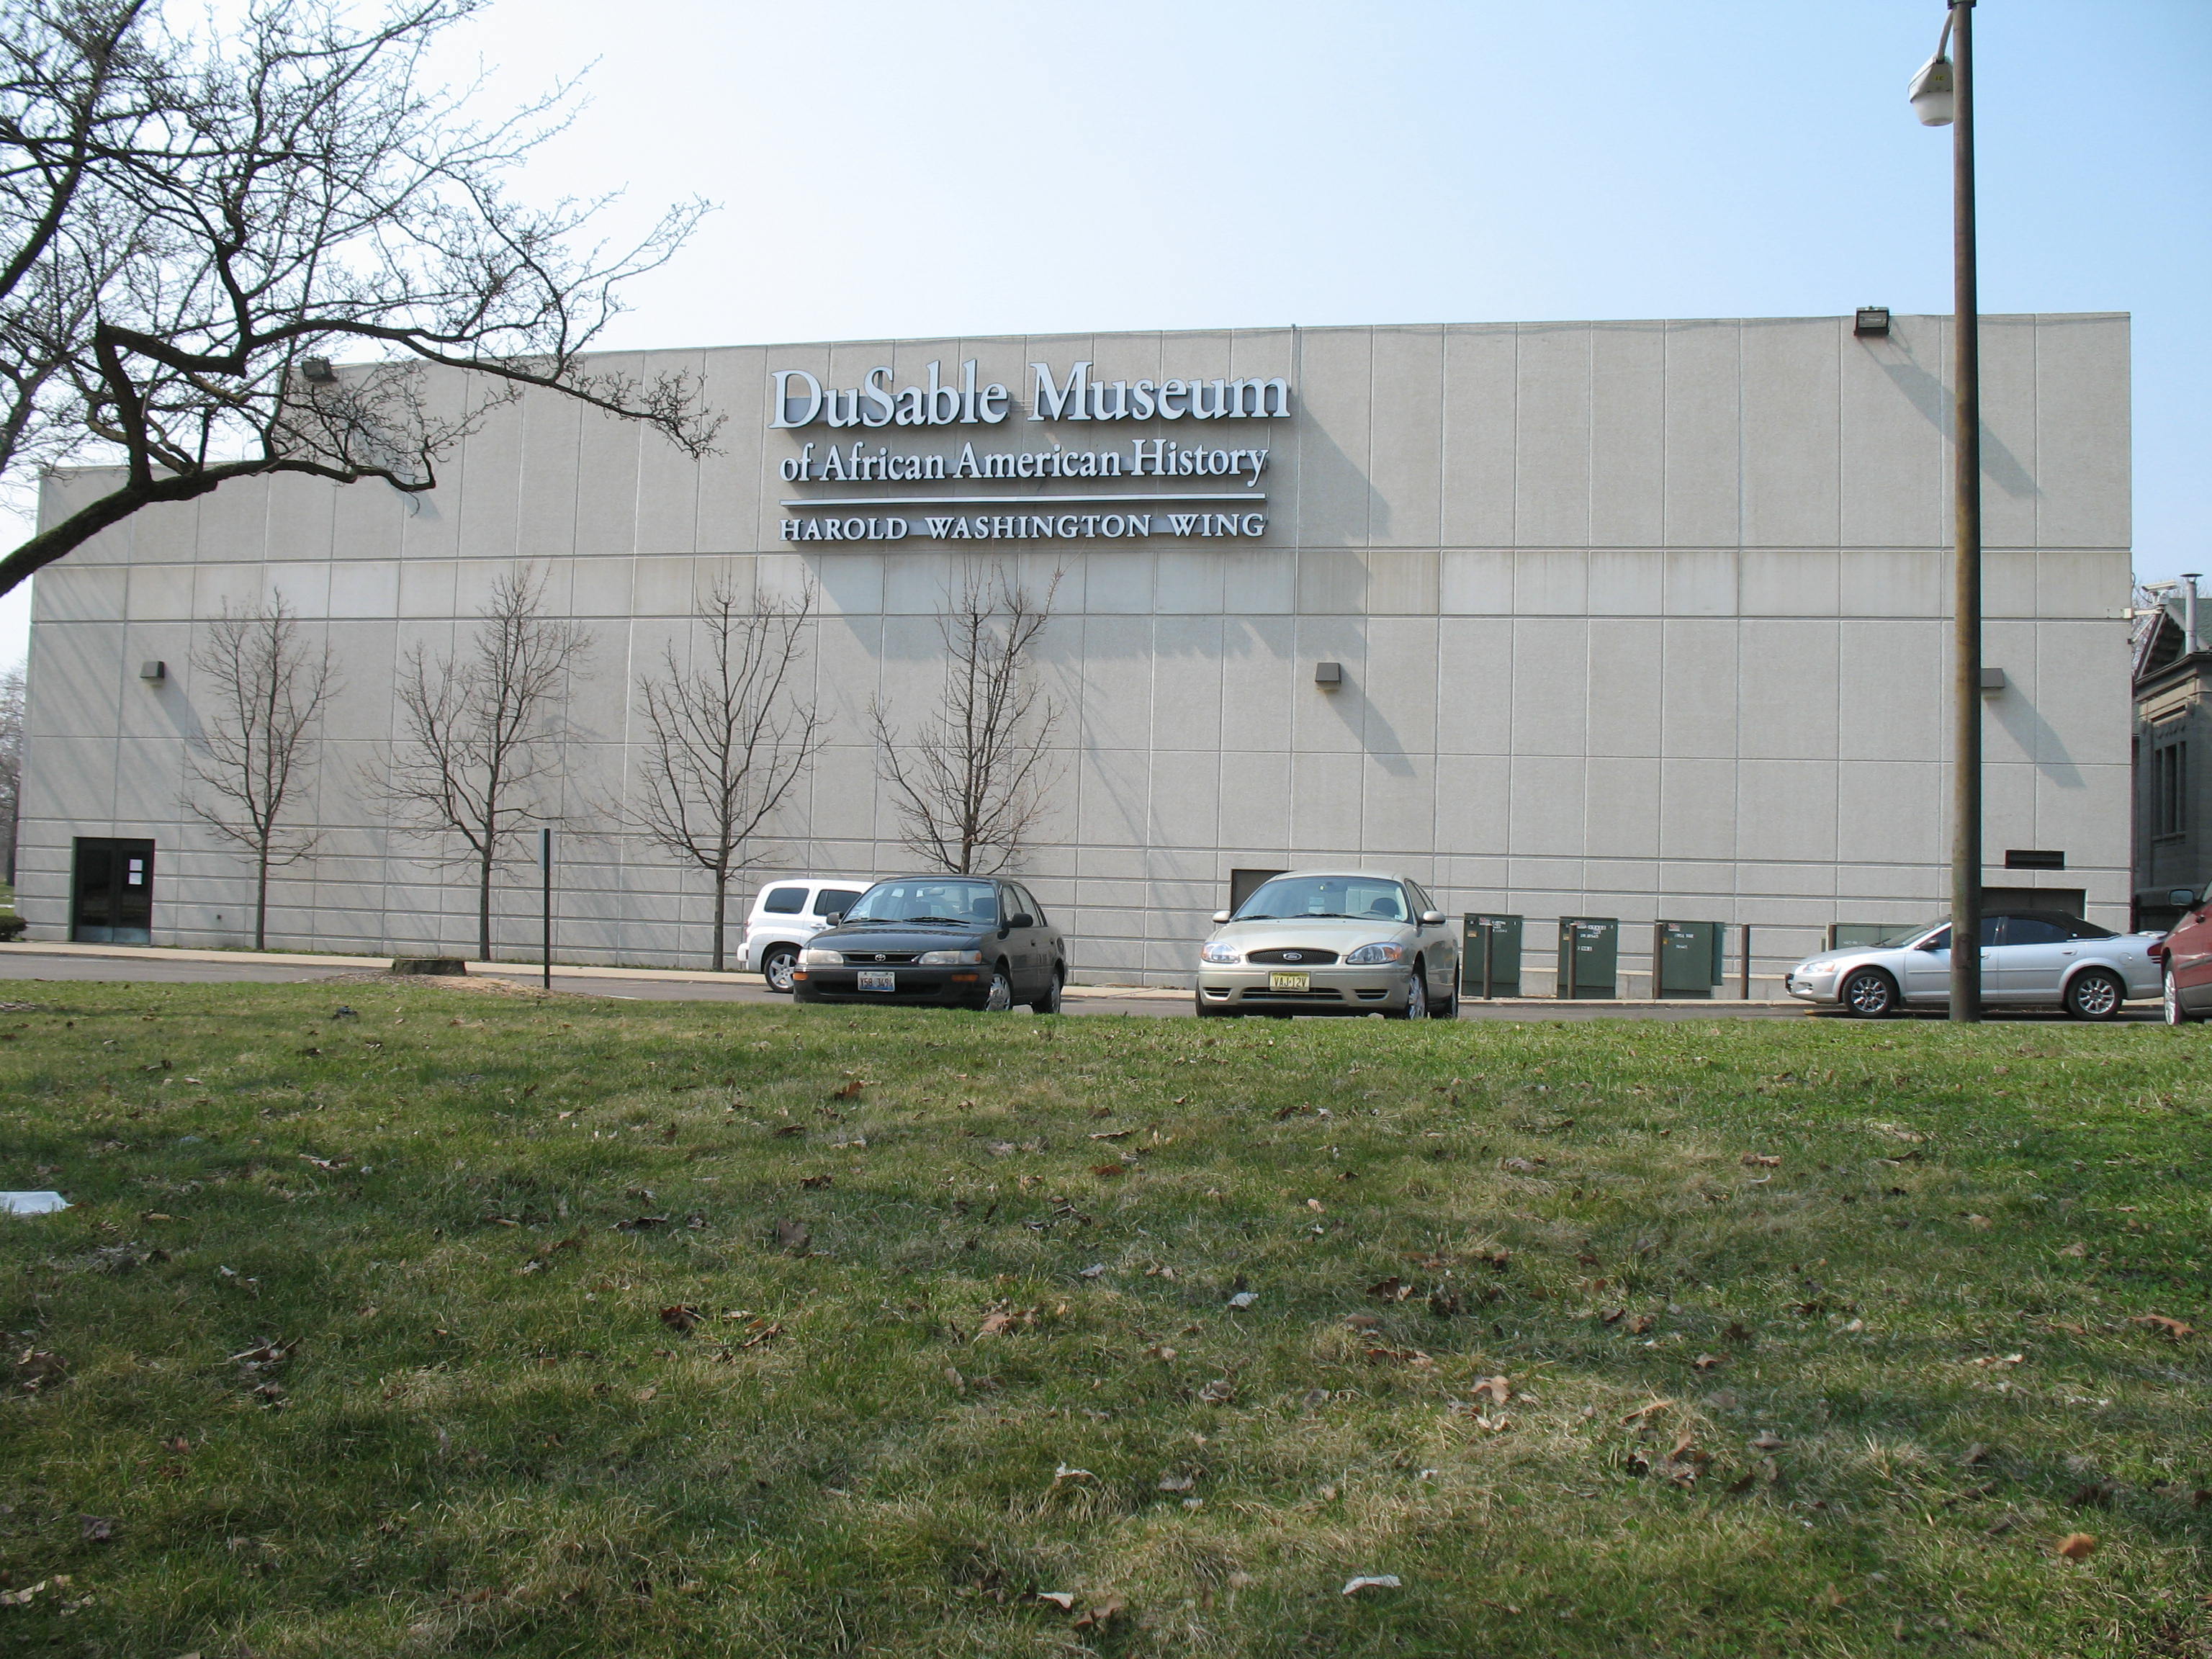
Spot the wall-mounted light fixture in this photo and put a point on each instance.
(153, 670)
(1993, 679)
(1329, 675)
(317, 369)
(1871, 320)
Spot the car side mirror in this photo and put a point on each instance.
(1932, 946)
(1220, 916)
(1021, 919)
(1432, 918)
(2182, 897)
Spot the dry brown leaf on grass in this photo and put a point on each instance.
(1410, 1356)
(641, 1224)
(1064, 1599)
(2078, 1546)
(681, 1318)
(1220, 1392)
(794, 1237)
(2164, 1327)
(1499, 1388)
(1641, 1324)
(1172, 1482)
(1392, 1289)
(1650, 1408)
(1098, 1614)
(1243, 1298)
(1363, 1322)
(96, 1529)
(1761, 1161)
(2077, 1250)
(817, 1181)
(1113, 1134)
(850, 1091)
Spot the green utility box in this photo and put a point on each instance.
(1490, 957)
(1589, 955)
(1685, 958)
(1844, 933)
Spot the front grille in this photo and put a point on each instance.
(1324, 993)
(1301, 958)
(852, 956)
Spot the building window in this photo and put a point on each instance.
(2170, 787)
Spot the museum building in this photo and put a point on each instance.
(1636, 622)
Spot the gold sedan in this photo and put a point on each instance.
(1331, 942)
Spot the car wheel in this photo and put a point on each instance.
(1416, 993)
(1050, 1002)
(2175, 1013)
(1000, 997)
(2095, 995)
(1869, 993)
(777, 967)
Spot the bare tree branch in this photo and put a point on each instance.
(186, 219)
(264, 691)
(969, 785)
(726, 737)
(482, 735)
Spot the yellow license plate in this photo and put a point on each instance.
(1290, 982)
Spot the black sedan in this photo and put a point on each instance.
(941, 941)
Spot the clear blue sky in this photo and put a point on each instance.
(894, 168)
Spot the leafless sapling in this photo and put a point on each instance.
(482, 734)
(727, 735)
(195, 222)
(261, 690)
(970, 782)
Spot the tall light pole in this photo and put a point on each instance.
(1943, 95)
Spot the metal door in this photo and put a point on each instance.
(1685, 958)
(1490, 959)
(112, 891)
(2032, 956)
(1928, 972)
(1589, 954)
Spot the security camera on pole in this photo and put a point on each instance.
(1942, 95)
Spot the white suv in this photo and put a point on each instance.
(789, 911)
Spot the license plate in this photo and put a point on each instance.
(878, 979)
(1290, 982)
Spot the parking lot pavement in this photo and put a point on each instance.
(22, 961)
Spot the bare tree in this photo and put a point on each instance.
(11, 764)
(482, 734)
(970, 783)
(263, 689)
(727, 736)
(192, 225)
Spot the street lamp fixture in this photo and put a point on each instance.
(1942, 95)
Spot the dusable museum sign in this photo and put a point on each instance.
(800, 400)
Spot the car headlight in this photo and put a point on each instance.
(813, 957)
(1220, 950)
(949, 959)
(1368, 955)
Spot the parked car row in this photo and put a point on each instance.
(1361, 942)
(1319, 942)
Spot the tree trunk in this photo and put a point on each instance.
(261, 897)
(722, 910)
(483, 905)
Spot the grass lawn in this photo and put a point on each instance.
(475, 1325)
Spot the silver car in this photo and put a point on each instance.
(2030, 959)
(1331, 942)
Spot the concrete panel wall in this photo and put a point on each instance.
(1636, 619)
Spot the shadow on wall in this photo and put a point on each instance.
(2027, 727)
(1926, 394)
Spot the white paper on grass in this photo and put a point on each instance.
(31, 1203)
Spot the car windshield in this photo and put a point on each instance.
(1367, 898)
(1906, 935)
(929, 898)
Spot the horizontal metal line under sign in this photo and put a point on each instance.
(1013, 500)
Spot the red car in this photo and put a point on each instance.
(2185, 960)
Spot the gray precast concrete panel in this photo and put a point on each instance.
(1635, 619)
